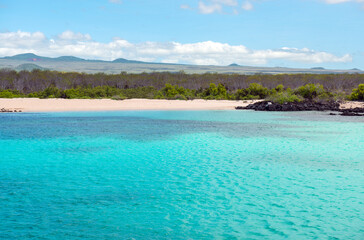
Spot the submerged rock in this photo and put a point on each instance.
(304, 106)
(352, 112)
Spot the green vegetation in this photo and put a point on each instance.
(279, 94)
(175, 92)
(10, 94)
(358, 93)
(254, 91)
(284, 97)
(311, 91)
(214, 92)
(182, 86)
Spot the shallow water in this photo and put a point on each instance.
(181, 175)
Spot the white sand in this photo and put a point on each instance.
(352, 104)
(65, 105)
(68, 105)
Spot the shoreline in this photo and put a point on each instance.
(78, 105)
(98, 105)
(345, 108)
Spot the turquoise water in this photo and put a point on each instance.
(181, 175)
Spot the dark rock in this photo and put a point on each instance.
(5, 110)
(352, 112)
(295, 106)
(304, 106)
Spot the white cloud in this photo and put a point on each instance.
(217, 6)
(209, 8)
(247, 6)
(71, 36)
(202, 53)
(232, 6)
(226, 2)
(22, 39)
(116, 1)
(185, 6)
(342, 1)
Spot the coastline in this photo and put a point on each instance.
(76, 105)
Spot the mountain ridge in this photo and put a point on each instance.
(76, 64)
(31, 57)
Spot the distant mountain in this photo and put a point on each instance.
(31, 57)
(69, 59)
(30, 61)
(29, 67)
(123, 60)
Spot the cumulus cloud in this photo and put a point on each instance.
(217, 6)
(22, 39)
(232, 6)
(226, 2)
(201, 53)
(342, 1)
(115, 1)
(209, 8)
(71, 36)
(247, 5)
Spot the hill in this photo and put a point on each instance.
(29, 67)
(75, 64)
(29, 57)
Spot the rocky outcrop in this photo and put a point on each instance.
(304, 106)
(5, 110)
(294, 106)
(352, 112)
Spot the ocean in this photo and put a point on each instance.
(181, 175)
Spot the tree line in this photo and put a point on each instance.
(38, 80)
(278, 88)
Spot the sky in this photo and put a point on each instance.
(285, 33)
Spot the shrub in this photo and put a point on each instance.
(279, 88)
(283, 97)
(310, 91)
(52, 92)
(118, 97)
(159, 95)
(357, 93)
(10, 94)
(254, 91)
(214, 92)
(72, 93)
(169, 91)
(33, 95)
(6, 94)
(180, 97)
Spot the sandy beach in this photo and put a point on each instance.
(67, 105)
(351, 104)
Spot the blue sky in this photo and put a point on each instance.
(290, 33)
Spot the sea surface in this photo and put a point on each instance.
(181, 175)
